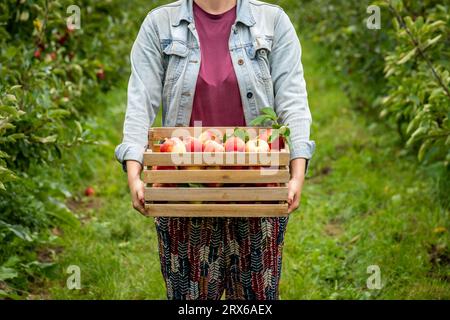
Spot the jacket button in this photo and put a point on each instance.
(241, 62)
(249, 95)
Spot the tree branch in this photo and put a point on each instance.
(416, 44)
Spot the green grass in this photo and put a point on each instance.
(365, 203)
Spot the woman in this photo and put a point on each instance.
(219, 62)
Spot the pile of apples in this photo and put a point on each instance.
(210, 141)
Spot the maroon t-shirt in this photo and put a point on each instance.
(217, 101)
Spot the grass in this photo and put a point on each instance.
(365, 203)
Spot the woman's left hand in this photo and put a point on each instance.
(295, 185)
(294, 193)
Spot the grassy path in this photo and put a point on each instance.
(365, 203)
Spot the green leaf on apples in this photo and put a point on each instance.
(275, 134)
(241, 133)
(276, 126)
(260, 120)
(195, 185)
(285, 131)
(270, 112)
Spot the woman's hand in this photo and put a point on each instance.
(136, 186)
(294, 194)
(295, 185)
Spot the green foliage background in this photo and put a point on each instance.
(400, 72)
(50, 78)
(53, 84)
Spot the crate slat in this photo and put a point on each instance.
(217, 194)
(216, 176)
(220, 158)
(217, 210)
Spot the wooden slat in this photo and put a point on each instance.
(150, 136)
(217, 194)
(217, 210)
(216, 176)
(219, 158)
(160, 133)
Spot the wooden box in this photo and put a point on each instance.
(253, 184)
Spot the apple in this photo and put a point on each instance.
(100, 74)
(275, 145)
(194, 145)
(267, 184)
(37, 53)
(173, 145)
(89, 192)
(213, 146)
(257, 145)
(210, 135)
(234, 144)
(164, 168)
(62, 39)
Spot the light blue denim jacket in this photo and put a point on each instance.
(165, 62)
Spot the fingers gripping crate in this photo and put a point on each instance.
(232, 184)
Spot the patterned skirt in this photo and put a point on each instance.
(201, 258)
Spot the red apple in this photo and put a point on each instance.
(164, 168)
(173, 145)
(37, 53)
(213, 146)
(267, 184)
(89, 192)
(62, 39)
(100, 74)
(234, 144)
(257, 145)
(275, 145)
(210, 135)
(193, 145)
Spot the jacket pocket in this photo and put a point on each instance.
(175, 54)
(258, 52)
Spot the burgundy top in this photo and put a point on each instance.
(217, 100)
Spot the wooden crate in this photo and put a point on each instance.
(244, 176)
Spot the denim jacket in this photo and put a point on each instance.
(165, 62)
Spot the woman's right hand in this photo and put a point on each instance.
(136, 186)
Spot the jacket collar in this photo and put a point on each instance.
(243, 14)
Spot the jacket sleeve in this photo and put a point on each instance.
(291, 101)
(144, 93)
